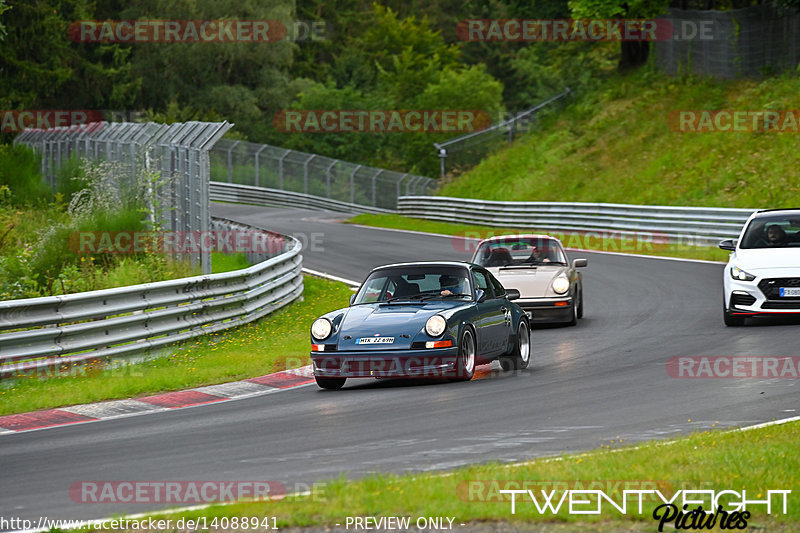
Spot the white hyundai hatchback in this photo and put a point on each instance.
(763, 273)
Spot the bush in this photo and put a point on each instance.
(20, 172)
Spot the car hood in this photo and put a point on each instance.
(530, 282)
(388, 320)
(781, 261)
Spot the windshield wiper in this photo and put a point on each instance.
(456, 295)
(413, 297)
(526, 265)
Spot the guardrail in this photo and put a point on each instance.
(55, 332)
(700, 226)
(247, 194)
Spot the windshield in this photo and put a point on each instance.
(520, 251)
(415, 283)
(775, 231)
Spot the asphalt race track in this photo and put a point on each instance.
(605, 378)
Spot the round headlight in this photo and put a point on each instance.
(561, 284)
(321, 328)
(435, 325)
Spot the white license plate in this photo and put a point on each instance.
(789, 291)
(375, 340)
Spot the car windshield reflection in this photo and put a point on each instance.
(778, 231)
(417, 284)
(520, 252)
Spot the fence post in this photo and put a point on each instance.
(280, 169)
(257, 180)
(375, 177)
(328, 178)
(305, 173)
(352, 184)
(230, 162)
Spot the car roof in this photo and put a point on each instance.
(767, 212)
(519, 236)
(461, 264)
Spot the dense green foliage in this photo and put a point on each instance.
(385, 56)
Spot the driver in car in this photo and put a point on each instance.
(538, 256)
(451, 285)
(775, 235)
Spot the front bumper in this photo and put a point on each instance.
(744, 298)
(433, 362)
(547, 310)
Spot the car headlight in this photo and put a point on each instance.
(561, 284)
(435, 325)
(321, 328)
(741, 275)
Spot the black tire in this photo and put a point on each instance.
(579, 314)
(467, 353)
(330, 383)
(729, 319)
(574, 319)
(521, 352)
(732, 320)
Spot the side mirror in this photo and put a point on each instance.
(512, 294)
(480, 296)
(728, 244)
(352, 298)
(579, 263)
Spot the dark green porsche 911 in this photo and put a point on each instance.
(430, 319)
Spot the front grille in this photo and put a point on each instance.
(742, 299)
(781, 305)
(770, 287)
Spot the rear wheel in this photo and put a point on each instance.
(521, 353)
(330, 383)
(465, 365)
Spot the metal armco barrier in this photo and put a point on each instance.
(701, 226)
(247, 194)
(51, 333)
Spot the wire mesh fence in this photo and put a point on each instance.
(262, 165)
(177, 153)
(752, 41)
(467, 150)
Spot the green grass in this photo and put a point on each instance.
(221, 262)
(276, 342)
(755, 460)
(570, 240)
(614, 144)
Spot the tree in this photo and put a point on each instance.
(632, 53)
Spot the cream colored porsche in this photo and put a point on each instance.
(551, 288)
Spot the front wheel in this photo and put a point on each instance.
(579, 314)
(465, 365)
(521, 353)
(732, 320)
(330, 383)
